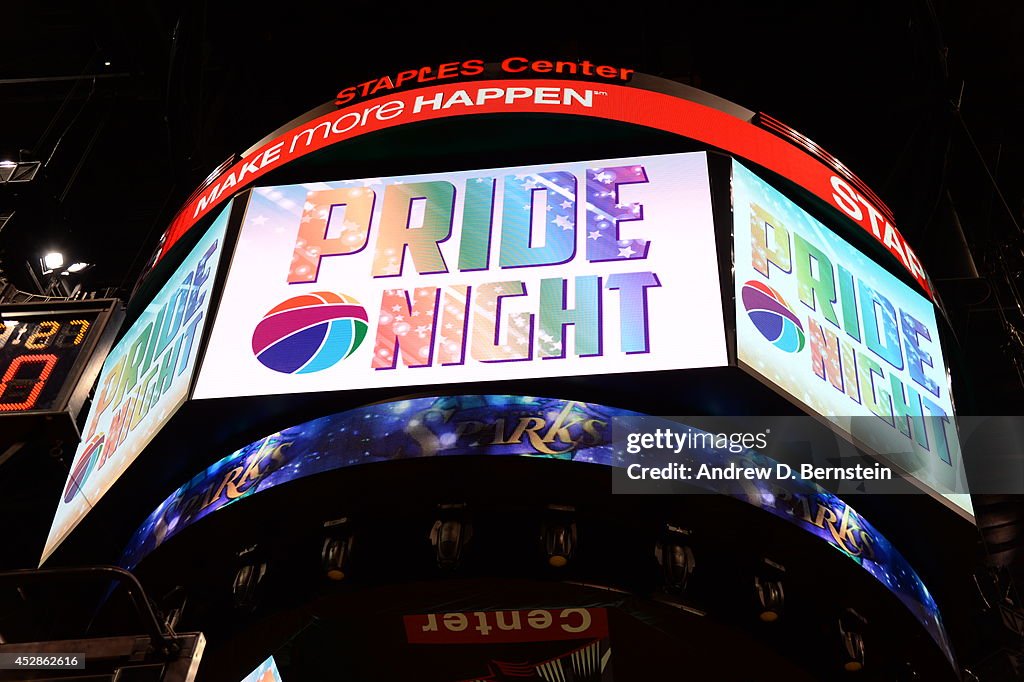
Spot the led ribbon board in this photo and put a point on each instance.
(518, 426)
(609, 101)
(835, 332)
(559, 270)
(548, 644)
(144, 381)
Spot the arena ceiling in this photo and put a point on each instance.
(129, 105)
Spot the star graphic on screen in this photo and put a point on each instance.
(626, 252)
(563, 222)
(595, 235)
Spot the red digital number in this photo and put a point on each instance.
(48, 361)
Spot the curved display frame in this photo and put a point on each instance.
(512, 426)
(717, 127)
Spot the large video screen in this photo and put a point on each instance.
(144, 380)
(566, 269)
(266, 672)
(840, 335)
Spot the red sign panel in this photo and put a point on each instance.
(500, 627)
(614, 102)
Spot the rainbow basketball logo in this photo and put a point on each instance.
(309, 333)
(773, 317)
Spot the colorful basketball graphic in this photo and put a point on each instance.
(84, 467)
(773, 317)
(309, 333)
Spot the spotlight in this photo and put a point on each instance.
(247, 587)
(675, 558)
(52, 261)
(771, 597)
(558, 535)
(851, 632)
(450, 534)
(336, 552)
(77, 267)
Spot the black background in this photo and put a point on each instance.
(921, 99)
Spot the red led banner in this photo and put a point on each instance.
(496, 627)
(614, 102)
(47, 362)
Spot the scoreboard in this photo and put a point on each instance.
(50, 355)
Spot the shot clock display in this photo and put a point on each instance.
(38, 355)
(50, 354)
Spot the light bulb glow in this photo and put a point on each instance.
(53, 260)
